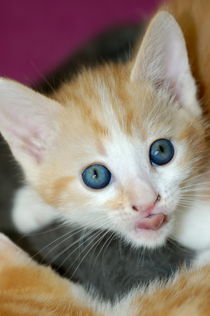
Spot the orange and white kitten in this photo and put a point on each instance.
(118, 147)
(27, 288)
(128, 141)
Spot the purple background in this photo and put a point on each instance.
(36, 35)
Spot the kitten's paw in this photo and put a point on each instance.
(10, 254)
(29, 212)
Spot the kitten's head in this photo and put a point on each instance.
(115, 147)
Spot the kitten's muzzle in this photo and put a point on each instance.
(149, 220)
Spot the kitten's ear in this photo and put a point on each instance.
(162, 60)
(27, 122)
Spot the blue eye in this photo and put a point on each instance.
(96, 176)
(161, 152)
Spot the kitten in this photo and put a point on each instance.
(106, 150)
(143, 139)
(33, 154)
(96, 264)
(93, 261)
(27, 288)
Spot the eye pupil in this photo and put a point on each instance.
(161, 149)
(96, 176)
(161, 152)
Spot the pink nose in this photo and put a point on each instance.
(146, 208)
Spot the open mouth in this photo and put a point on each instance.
(152, 222)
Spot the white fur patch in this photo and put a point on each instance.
(192, 226)
(30, 213)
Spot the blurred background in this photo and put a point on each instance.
(36, 36)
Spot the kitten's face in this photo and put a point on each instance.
(116, 149)
(113, 122)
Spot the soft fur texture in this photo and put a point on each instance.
(27, 288)
(122, 110)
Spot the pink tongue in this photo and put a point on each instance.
(153, 222)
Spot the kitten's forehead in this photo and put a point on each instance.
(106, 101)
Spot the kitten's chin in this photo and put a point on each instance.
(149, 238)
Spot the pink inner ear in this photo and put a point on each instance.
(28, 121)
(171, 65)
(25, 137)
(32, 149)
(172, 87)
(163, 60)
(177, 66)
(30, 142)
